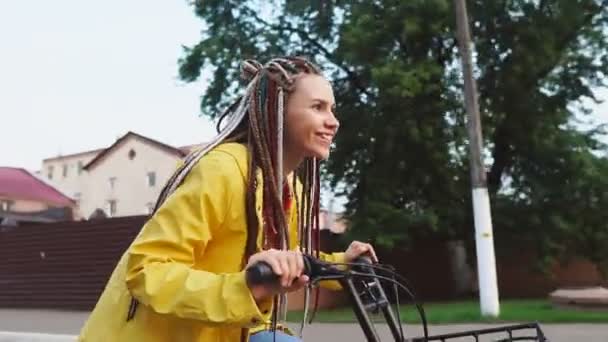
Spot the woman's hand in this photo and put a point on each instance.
(356, 249)
(288, 265)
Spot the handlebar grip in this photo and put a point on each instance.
(362, 265)
(260, 273)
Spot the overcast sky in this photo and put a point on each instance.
(77, 74)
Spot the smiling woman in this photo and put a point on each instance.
(250, 195)
(310, 121)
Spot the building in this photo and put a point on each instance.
(25, 197)
(123, 179)
(331, 221)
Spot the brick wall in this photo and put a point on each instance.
(61, 265)
(66, 266)
(427, 268)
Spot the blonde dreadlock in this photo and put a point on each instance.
(256, 120)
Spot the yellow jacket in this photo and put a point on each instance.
(185, 266)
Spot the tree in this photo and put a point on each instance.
(402, 153)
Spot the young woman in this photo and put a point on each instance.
(250, 195)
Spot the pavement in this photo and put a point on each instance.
(18, 325)
(6, 336)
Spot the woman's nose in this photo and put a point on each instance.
(333, 122)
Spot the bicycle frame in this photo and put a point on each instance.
(367, 295)
(373, 299)
(361, 309)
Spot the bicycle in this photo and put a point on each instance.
(363, 283)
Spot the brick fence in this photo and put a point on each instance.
(65, 265)
(62, 265)
(428, 269)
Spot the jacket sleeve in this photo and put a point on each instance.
(334, 258)
(160, 271)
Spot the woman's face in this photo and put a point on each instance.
(310, 124)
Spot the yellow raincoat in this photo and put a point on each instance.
(185, 266)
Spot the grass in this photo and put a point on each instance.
(468, 312)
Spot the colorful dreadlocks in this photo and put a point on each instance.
(256, 120)
(263, 136)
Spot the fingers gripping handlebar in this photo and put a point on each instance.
(261, 273)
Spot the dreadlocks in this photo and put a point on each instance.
(262, 131)
(263, 136)
(255, 119)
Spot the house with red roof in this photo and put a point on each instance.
(26, 197)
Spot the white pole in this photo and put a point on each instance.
(486, 263)
(484, 239)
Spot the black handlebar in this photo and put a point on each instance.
(261, 273)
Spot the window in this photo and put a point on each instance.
(112, 181)
(65, 170)
(151, 177)
(80, 167)
(77, 197)
(6, 205)
(111, 208)
(132, 154)
(50, 172)
(149, 208)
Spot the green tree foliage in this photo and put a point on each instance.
(401, 153)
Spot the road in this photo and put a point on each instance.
(69, 323)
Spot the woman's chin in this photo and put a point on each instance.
(321, 154)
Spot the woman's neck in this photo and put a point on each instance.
(291, 161)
